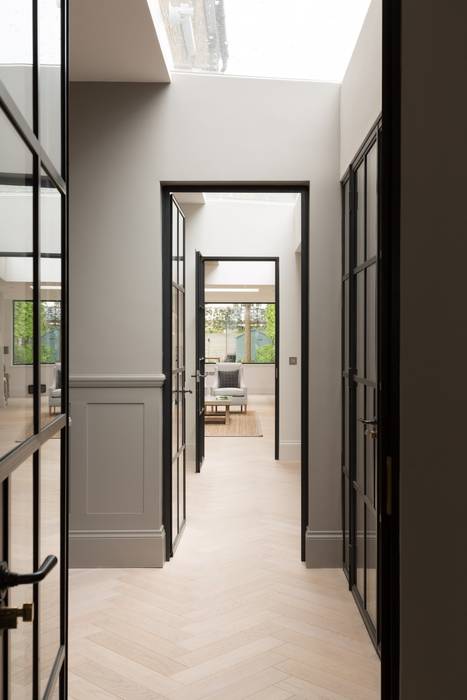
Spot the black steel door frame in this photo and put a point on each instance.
(275, 260)
(200, 363)
(303, 190)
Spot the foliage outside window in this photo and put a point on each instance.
(23, 333)
(240, 333)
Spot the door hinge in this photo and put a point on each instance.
(388, 485)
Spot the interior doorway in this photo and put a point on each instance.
(177, 391)
(237, 330)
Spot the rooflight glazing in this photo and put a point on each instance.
(285, 39)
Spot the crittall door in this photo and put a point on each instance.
(360, 388)
(200, 360)
(178, 378)
(33, 350)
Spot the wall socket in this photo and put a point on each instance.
(293, 361)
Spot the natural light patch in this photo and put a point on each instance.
(280, 197)
(286, 39)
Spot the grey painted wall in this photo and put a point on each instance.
(125, 140)
(433, 351)
(361, 90)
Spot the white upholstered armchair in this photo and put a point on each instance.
(238, 395)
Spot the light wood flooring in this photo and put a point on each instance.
(235, 614)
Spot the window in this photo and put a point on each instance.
(240, 333)
(50, 320)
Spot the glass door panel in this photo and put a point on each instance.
(16, 53)
(50, 79)
(50, 296)
(50, 593)
(21, 546)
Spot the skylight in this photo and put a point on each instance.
(285, 39)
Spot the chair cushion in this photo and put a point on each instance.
(228, 391)
(228, 378)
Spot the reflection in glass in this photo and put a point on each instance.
(181, 489)
(240, 333)
(21, 560)
(16, 54)
(361, 323)
(181, 250)
(16, 285)
(371, 334)
(371, 564)
(175, 348)
(372, 201)
(370, 444)
(174, 243)
(50, 98)
(174, 500)
(174, 415)
(346, 338)
(49, 589)
(346, 497)
(360, 437)
(346, 227)
(50, 293)
(360, 546)
(361, 214)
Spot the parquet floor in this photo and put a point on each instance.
(235, 614)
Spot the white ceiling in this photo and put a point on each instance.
(118, 41)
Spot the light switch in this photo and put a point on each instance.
(292, 360)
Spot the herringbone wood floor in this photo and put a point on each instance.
(235, 614)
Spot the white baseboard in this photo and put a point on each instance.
(290, 450)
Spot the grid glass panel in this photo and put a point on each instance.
(50, 79)
(16, 53)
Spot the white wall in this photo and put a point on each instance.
(126, 139)
(236, 227)
(361, 90)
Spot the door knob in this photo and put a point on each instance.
(9, 616)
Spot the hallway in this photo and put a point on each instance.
(235, 614)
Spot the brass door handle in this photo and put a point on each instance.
(9, 616)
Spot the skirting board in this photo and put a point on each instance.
(117, 549)
(323, 549)
(290, 451)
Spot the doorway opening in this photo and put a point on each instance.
(213, 293)
(237, 317)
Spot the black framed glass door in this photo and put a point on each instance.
(178, 378)
(200, 360)
(33, 350)
(360, 387)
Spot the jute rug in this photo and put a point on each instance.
(240, 425)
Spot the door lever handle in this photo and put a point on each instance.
(368, 421)
(9, 579)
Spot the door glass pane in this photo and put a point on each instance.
(49, 589)
(346, 226)
(346, 424)
(371, 334)
(371, 564)
(50, 97)
(174, 328)
(174, 499)
(372, 201)
(346, 496)
(181, 328)
(51, 292)
(16, 53)
(346, 326)
(181, 249)
(174, 243)
(360, 428)
(174, 414)
(181, 488)
(370, 443)
(361, 214)
(21, 561)
(360, 545)
(16, 290)
(361, 324)
(181, 402)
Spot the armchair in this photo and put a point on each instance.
(55, 391)
(238, 395)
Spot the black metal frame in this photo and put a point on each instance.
(303, 190)
(275, 260)
(30, 448)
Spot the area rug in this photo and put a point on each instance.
(240, 425)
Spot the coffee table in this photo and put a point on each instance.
(214, 415)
